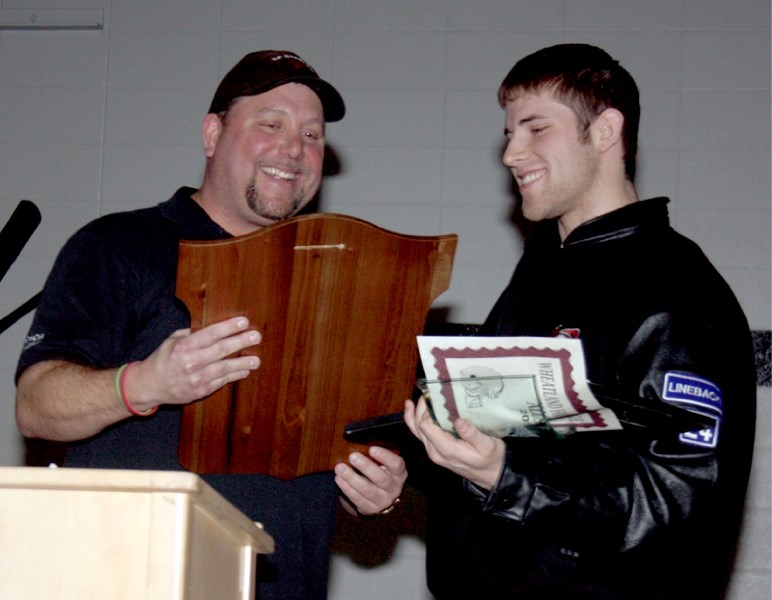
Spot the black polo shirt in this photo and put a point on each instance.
(109, 300)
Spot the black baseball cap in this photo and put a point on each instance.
(262, 71)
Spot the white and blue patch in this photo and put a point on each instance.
(695, 391)
(697, 395)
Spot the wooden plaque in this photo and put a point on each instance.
(339, 303)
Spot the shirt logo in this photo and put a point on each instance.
(32, 340)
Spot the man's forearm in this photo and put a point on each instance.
(62, 401)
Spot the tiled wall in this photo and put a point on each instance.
(93, 122)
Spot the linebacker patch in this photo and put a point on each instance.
(697, 395)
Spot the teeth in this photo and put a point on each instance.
(526, 179)
(278, 173)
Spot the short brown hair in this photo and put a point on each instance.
(588, 81)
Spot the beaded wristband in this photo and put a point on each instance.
(120, 391)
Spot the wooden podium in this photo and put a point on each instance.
(90, 534)
(339, 303)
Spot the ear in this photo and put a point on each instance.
(606, 130)
(210, 133)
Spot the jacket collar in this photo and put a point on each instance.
(621, 223)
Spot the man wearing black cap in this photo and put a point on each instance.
(110, 360)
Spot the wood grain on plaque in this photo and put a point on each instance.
(339, 302)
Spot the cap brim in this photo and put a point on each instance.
(332, 102)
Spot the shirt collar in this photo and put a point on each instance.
(193, 221)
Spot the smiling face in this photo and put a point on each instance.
(556, 168)
(264, 158)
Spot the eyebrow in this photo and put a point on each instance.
(276, 109)
(525, 121)
(535, 117)
(271, 109)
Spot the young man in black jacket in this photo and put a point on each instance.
(617, 515)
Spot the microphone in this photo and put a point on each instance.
(16, 233)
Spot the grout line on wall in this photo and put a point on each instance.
(103, 124)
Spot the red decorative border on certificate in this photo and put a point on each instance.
(442, 354)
